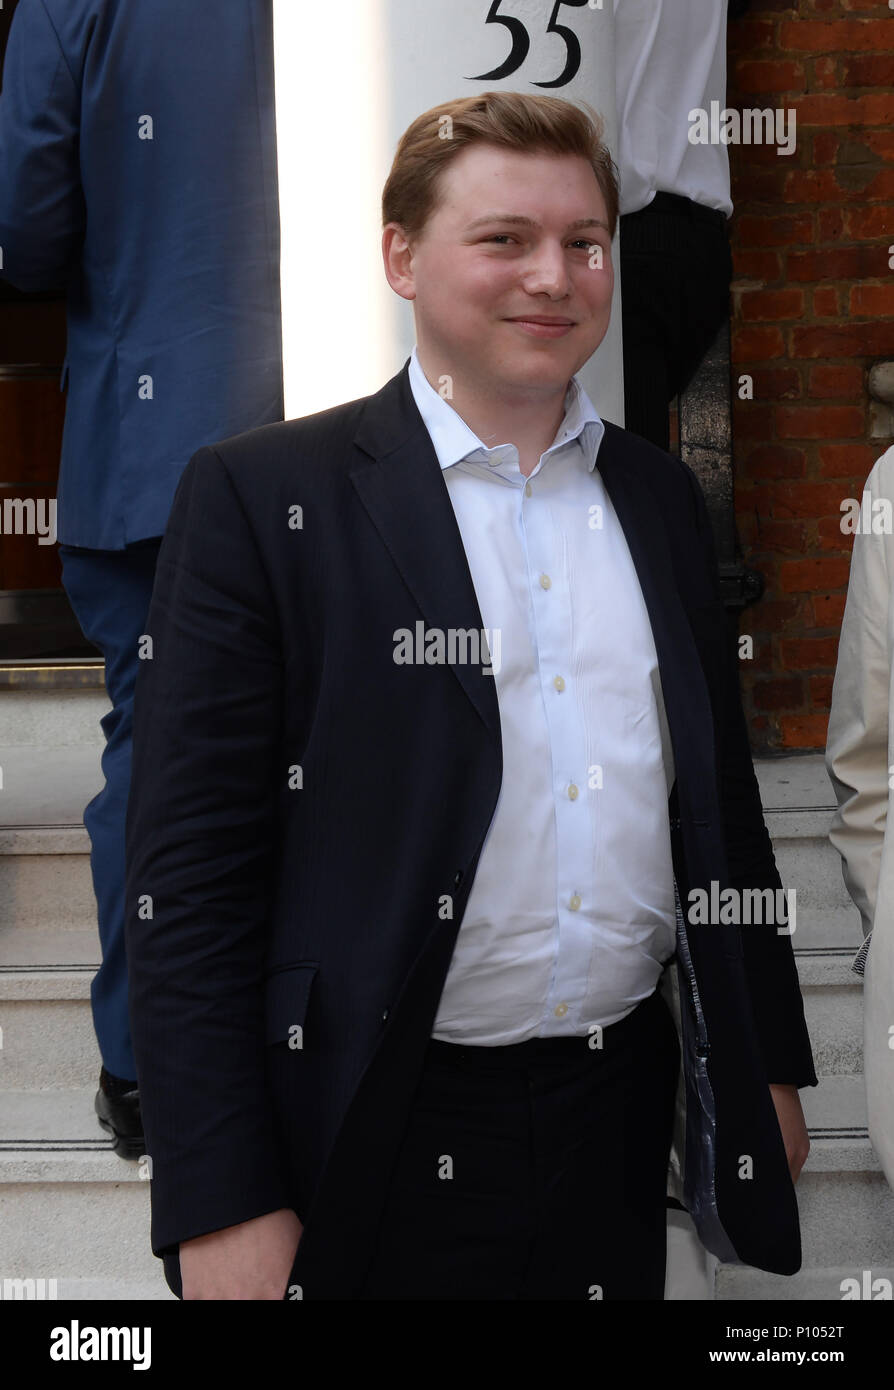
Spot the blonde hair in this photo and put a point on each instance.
(512, 120)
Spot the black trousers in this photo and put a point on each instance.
(676, 268)
(535, 1171)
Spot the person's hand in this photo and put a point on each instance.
(251, 1260)
(793, 1127)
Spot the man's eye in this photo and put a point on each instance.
(580, 241)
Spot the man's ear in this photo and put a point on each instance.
(397, 255)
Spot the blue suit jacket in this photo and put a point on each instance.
(168, 247)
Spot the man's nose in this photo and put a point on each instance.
(547, 272)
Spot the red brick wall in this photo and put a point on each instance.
(813, 309)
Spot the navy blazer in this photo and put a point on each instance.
(300, 804)
(168, 247)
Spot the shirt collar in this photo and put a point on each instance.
(454, 440)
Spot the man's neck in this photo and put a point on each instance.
(530, 424)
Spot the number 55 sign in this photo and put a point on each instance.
(521, 43)
(342, 102)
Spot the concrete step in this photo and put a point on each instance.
(77, 1216)
(836, 1108)
(47, 1029)
(810, 865)
(846, 1206)
(795, 782)
(45, 880)
(56, 948)
(799, 802)
(834, 1015)
(47, 786)
(55, 1120)
(809, 1285)
(70, 1208)
(52, 718)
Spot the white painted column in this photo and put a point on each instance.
(349, 80)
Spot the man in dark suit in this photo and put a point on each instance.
(438, 736)
(138, 171)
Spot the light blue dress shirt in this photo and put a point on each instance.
(571, 915)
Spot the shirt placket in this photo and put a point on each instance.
(552, 615)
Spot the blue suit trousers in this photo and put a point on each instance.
(110, 591)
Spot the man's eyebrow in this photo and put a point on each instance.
(518, 221)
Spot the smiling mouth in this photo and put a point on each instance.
(545, 329)
(543, 320)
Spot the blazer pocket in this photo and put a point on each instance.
(287, 996)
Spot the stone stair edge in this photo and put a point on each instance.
(68, 838)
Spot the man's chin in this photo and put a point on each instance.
(539, 371)
(542, 362)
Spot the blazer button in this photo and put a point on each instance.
(385, 1015)
(457, 878)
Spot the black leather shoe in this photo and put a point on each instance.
(118, 1107)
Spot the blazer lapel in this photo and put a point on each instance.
(685, 690)
(403, 490)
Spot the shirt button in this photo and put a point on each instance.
(528, 490)
(574, 904)
(545, 581)
(559, 683)
(561, 1010)
(572, 792)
